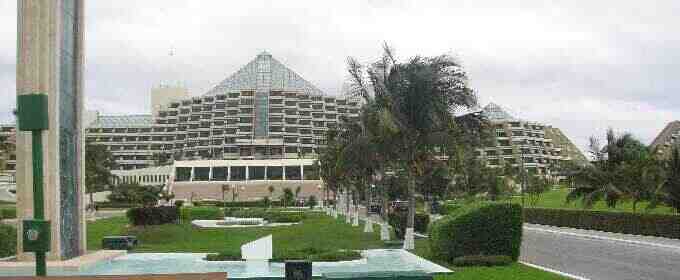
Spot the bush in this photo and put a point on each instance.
(189, 214)
(311, 201)
(8, 213)
(398, 221)
(179, 203)
(116, 205)
(153, 215)
(482, 260)
(483, 229)
(262, 203)
(224, 256)
(449, 209)
(619, 222)
(8, 240)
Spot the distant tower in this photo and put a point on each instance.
(162, 95)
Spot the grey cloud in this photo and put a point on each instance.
(579, 65)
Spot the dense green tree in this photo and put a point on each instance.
(288, 197)
(98, 165)
(670, 189)
(623, 169)
(136, 194)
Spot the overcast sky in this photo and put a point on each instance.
(581, 66)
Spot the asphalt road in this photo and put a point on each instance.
(601, 256)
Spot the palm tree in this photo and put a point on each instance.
(415, 104)
(623, 169)
(271, 192)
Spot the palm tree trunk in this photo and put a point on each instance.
(91, 206)
(409, 239)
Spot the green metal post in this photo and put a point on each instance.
(38, 206)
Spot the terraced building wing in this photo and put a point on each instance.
(263, 111)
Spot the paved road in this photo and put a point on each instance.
(601, 256)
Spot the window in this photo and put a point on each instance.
(182, 174)
(310, 172)
(238, 173)
(220, 173)
(274, 172)
(293, 172)
(201, 173)
(256, 173)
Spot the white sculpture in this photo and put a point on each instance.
(384, 232)
(355, 220)
(409, 240)
(260, 249)
(368, 225)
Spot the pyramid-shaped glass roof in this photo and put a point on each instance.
(265, 72)
(495, 112)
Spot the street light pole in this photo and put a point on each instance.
(32, 116)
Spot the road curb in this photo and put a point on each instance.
(575, 277)
(590, 236)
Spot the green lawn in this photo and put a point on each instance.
(510, 272)
(557, 199)
(318, 230)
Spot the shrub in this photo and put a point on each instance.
(8, 240)
(315, 254)
(189, 214)
(179, 203)
(446, 209)
(398, 221)
(619, 222)
(8, 213)
(484, 229)
(311, 201)
(116, 205)
(224, 256)
(482, 260)
(153, 215)
(262, 203)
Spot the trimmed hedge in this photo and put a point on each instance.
(8, 240)
(115, 205)
(189, 214)
(619, 222)
(144, 216)
(482, 260)
(8, 213)
(240, 204)
(398, 221)
(482, 229)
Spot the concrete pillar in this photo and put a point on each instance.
(283, 172)
(210, 174)
(191, 178)
(302, 172)
(247, 172)
(41, 68)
